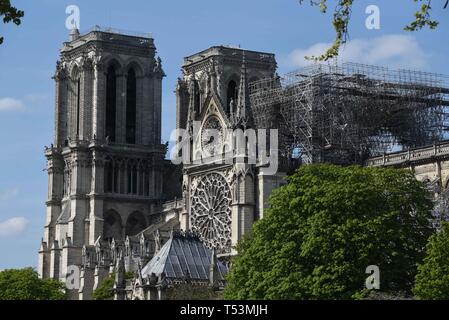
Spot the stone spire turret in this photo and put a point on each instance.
(242, 108)
(243, 98)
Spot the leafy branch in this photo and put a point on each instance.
(10, 14)
(342, 16)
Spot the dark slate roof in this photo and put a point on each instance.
(184, 256)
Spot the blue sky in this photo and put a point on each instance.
(180, 28)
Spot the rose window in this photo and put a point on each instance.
(211, 211)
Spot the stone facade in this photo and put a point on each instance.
(106, 162)
(108, 181)
(429, 163)
(213, 93)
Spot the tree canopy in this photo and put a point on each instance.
(25, 284)
(106, 289)
(326, 226)
(189, 291)
(432, 280)
(342, 16)
(10, 14)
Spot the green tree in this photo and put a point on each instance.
(342, 16)
(25, 284)
(10, 14)
(105, 290)
(188, 291)
(432, 280)
(326, 226)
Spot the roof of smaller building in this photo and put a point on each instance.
(184, 256)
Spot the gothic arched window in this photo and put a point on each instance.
(132, 178)
(108, 177)
(75, 102)
(111, 101)
(112, 226)
(135, 223)
(131, 107)
(78, 99)
(231, 94)
(146, 185)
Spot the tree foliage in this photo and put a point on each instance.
(432, 280)
(342, 16)
(10, 14)
(105, 290)
(25, 284)
(325, 227)
(188, 291)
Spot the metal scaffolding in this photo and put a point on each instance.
(349, 112)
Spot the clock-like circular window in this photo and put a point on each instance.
(212, 136)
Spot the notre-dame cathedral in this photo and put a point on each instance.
(114, 202)
(117, 206)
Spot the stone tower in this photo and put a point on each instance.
(105, 164)
(222, 200)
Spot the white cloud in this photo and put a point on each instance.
(36, 98)
(9, 193)
(395, 50)
(12, 226)
(11, 104)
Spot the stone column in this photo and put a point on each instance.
(147, 110)
(242, 205)
(44, 261)
(182, 104)
(157, 80)
(70, 258)
(265, 186)
(152, 293)
(96, 197)
(55, 168)
(81, 175)
(86, 283)
(161, 293)
(99, 102)
(55, 253)
(60, 105)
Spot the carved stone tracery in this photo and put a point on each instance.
(211, 211)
